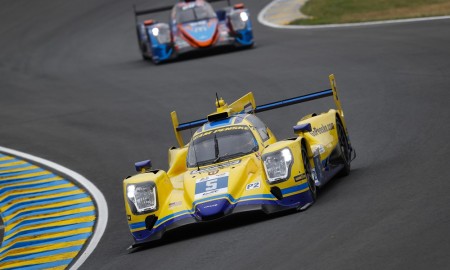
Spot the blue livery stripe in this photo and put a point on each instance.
(137, 225)
(259, 196)
(160, 221)
(192, 124)
(295, 100)
(294, 188)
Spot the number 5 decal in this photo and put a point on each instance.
(211, 184)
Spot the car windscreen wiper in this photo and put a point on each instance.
(220, 158)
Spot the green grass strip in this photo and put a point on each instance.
(348, 11)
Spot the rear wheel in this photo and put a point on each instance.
(311, 185)
(344, 148)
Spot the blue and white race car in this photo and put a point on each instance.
(194, 25)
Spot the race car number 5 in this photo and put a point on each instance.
(253, 185)
(211, 184)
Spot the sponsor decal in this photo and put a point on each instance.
(300, 177)
(174, 204)
(253, 185)
(210, 206)
(213, 172)
(217, 167)
(211, 185)
(220, 130)
(322, 129)
(200, 28)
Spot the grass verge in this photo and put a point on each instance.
(348, 11)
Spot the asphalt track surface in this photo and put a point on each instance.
(75, 91)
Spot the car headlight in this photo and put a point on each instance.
(142, 197)
(162, 33)
(244, 16)
(277, 165)
(155, 31)
(239, 20)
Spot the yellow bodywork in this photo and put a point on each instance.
(247, 184)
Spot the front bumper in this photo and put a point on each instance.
(145, 232)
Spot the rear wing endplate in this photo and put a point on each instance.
(262, 108)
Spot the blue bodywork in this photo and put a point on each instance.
(160, 52)
(244, 37)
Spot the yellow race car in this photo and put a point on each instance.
(233, 163)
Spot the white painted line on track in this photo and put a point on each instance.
(102, 207)
(265, 22)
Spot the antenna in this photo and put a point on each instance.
(217, 100)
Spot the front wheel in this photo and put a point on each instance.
(311, 185)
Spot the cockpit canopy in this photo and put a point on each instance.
(192, 12)
(221, 144)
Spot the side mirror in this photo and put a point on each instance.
(302, 128)
(143, 166)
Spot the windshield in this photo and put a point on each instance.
(221, 144)
(195, 13)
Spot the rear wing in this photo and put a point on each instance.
(151, 10)
(246, 104)
(141, 12)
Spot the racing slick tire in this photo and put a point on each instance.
(344, 148)
(311, 185)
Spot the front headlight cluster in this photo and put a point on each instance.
(277, 165)
(142, 197)
(239, 20)
(162, 33)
